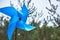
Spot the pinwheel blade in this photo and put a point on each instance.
(11, 26)
(28, 27)
(25, 12)
(10, 11)
(23, 26)
(20, 25)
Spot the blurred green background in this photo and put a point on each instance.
(43, 33)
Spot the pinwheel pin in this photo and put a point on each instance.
(18, 19)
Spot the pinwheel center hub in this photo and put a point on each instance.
(19, 18)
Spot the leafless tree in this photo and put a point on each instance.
(53, 10)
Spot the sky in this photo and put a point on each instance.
(39, 4)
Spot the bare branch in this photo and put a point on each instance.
(28, 3)
(51, 10)
(49, 1)
(11, 3)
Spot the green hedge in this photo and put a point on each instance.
(43, 33)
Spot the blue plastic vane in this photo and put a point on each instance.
(17, 20)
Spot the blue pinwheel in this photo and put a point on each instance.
(18, 19)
